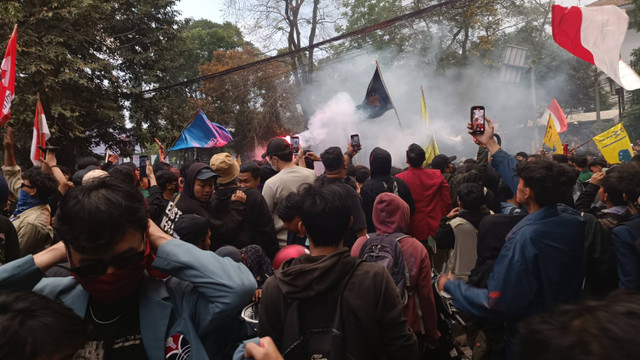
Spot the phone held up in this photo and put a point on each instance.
(355, 142)
(295, 144)
(477, 119)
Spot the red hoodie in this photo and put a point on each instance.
(390, 215)
(431, 196)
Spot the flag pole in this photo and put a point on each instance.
(583, 144)
(387, 90)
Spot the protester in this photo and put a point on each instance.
(194, 229)
(307, 286)
(287, 213)
(286, 181)
(391, 218)
(430, 192)
(455, 179)
(522, 156)
(163, 188)
(32, 188)
(381, 181)
(335, 165)
(625, 236)
(457, 233)
(543, 251)
(93, 174)
(597, 165)
(256, 226)
(33, 327)
(361, 174)
(129, 314)
(249, 176)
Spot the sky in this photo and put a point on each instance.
(213, 9)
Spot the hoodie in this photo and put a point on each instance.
(372, 329)
(391, 215)
(382, 181)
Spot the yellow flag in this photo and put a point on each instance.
(552, 139)
(614, 145)
(431, 150)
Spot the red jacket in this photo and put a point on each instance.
(391, 215)
(430, 193)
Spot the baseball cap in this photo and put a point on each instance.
(224, 165)
(276, 146)
(205, 173)
(192, 228)
(441, 161)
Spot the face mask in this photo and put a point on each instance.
(111, 287)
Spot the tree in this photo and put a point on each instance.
(253, 104)
(88, 60)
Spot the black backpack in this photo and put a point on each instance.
(313, 327)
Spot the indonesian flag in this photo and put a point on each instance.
(595, 35)
(8, 78)
(555, 111)
(40, 134)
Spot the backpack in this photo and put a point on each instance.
(386, 251)
(308, 334)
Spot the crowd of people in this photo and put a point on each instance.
(539, 254)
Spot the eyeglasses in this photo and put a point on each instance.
(27, 186)
(118, 261)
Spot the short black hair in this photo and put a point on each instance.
(535, 157)
(45, 184)
(415, 155)
(561, 158)
(580, 161)
(286, 210)
(523, 154)
(361, 173)
(33, 326)
(160, 166)
(252, 168)
(325, 212)
(286, 156)
(86, 161)
(471, 196)
(165, 177)
(586, 331)
(124, 173)
(93, 217)
(636, 158)
(629, 173)
(549, 180)
(332, 158)
(598, 162)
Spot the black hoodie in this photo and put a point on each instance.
(382, 181)
(372, 320)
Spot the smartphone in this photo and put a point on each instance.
(477, 119)
(143, 165)
(295, 144)
(355, 142)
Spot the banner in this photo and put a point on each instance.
(7, 78)
(40, 134)
(431, 149)
(614, 145)
(202, 133)
(552, 139)
(377, 100)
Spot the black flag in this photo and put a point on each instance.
(377, 101)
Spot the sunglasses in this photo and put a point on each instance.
(27, 186)
(118, 261)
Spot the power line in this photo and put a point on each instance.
(379, 26)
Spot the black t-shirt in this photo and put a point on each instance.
(112, 332)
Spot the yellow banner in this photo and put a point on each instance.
(431, 150)
(552, 139)
(614, 145)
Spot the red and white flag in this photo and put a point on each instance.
(555, 111)
(595, 35)
(40, 134)
(8, 78)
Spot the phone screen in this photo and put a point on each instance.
(295, 143)
(143, 165)
(477, 119)
(355, 141)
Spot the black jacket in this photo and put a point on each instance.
(157, 204)
(382, 181)
(256, 226)
(372, 322)
(445, 237)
